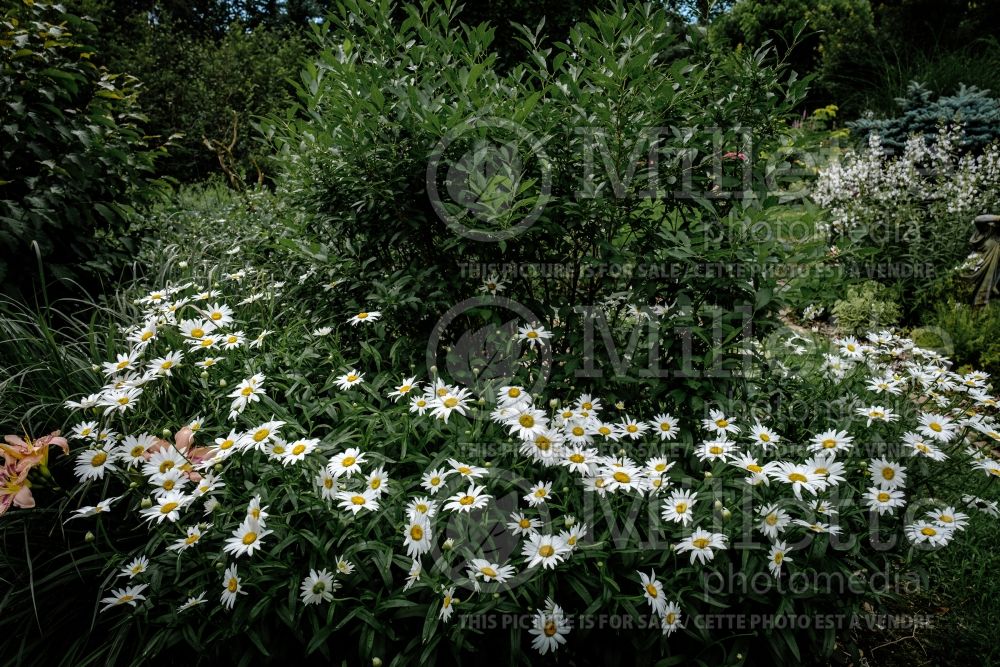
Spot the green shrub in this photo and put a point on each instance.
(970, 335)
(358, 157)
(73, 158)
(869, 306)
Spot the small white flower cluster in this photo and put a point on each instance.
(866, 186)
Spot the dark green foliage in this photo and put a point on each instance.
(212, 91)
(976, 110)
(829, 34)
(73, 158)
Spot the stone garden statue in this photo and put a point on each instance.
(985, 243)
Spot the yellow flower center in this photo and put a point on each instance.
(250, 538)
(416, 533)
(631, 428)
(98, 459)
(934, 426)
(771, 519)
(721, 423)
(216, 315)
(532, 334)
(883, 497)
(681, 508)
(700, 543)
(123, 400)
(928, 531)
(546, 551)
(888, 473)
(829, 443)
(261, 434)
(622, 477)
(351, 377)
(651, 589)
(488, 571)
(348, 461)
(362, 316)
(778, 557)
(358, 500)
(450, 402)
(435, 481)
(298, 449)
(513, 392)
(146, 335)
(670, 618)
(527, 421)
(197, 332)
(328, 482)
(753, 467)
(247, 391)
(797, 477)
(578, 431)
(375, 483)
(946, 518)
(716, 450)
(191, 539)
(550, 628)
(168, 484)
(233, 585)
(167, 508)
(540, 493)
(466, 500)
(577, 458)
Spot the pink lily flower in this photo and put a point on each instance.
(25, 453)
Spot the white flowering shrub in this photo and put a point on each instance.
(906, 218)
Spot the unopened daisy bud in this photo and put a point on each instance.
(600, 563)
(95, 367)
(488, 464)
(496, 596)
(222, 382)
(708, 474)
(553, 403)
(133, 485)
(182, 264)
(165, 433)
(217, 467)
(376, 662)
(434, 370)
(204, 375)
(448, 545)
(468, 432)
(620, 405)
(89, 537)
(475, 372)
(726, 515)
(565, 489)
(621, 452)
(146, 503)
(570, 520)
(481, 401)
(717, 505)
